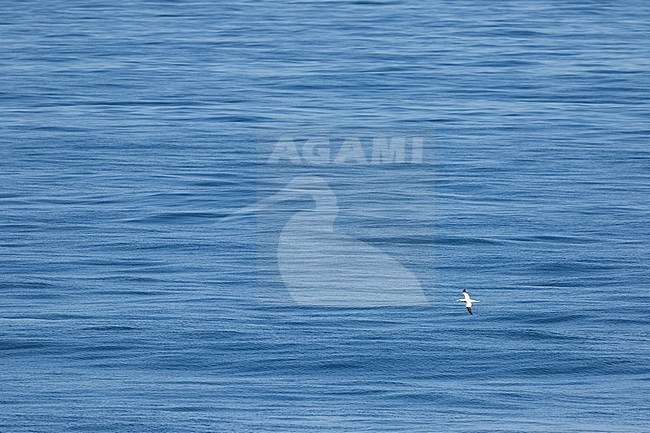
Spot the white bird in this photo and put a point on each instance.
(467, 300)
(320, 266)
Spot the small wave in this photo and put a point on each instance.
(109, 328)
(572, 267)
(550, 319)
(555, 239)
(21, 345)
(437, 240)
(177, 217)
(537, 334)
(186, 409)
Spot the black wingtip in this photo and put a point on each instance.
(464, 291)
(469, 309)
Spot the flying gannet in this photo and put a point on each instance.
(467, 300)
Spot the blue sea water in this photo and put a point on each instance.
(130, 129)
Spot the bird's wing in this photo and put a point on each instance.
(466, 295)
(470, 310)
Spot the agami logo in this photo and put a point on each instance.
(322, 151)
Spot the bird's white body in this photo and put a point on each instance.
(468, 301)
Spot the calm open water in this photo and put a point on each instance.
(130, 129)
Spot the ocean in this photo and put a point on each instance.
(258, 216)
